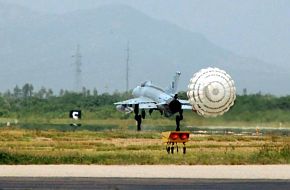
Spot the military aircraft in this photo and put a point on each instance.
(211, 92)
(151, 97)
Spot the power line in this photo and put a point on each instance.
(78, 70)
(127, 66)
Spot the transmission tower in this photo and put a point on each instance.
(127, 66)
(78, 71)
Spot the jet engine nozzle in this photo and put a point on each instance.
(124, 108)
(174, 106)
(211, 92)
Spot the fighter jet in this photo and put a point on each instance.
(151, 97)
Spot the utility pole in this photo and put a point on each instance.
(127, 66)
(78, 71)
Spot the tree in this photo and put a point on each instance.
(88, 92)
(30, 90)
(7, 94)
(84, 91)
(95, 92)
(49, 93)
(41, 93)
(17, 92)
(61, 92)
(27, 90)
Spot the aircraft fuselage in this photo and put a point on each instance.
(165, 102)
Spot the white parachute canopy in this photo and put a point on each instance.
(211, 92)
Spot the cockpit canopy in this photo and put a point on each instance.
(151, 85)
(146, 83)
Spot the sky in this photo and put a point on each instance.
(252, 28)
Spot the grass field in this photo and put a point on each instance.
(121, 145)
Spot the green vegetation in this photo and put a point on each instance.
(44, 106)
(38, 131)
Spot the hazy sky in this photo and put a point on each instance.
(252, 28)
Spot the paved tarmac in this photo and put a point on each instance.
(138, 183)
(144, 177)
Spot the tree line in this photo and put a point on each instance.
(26, 100)
(27, 90)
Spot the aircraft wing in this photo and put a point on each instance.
(185, 104)
(144, 103)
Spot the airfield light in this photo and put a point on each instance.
(184, 136)
(174, 136)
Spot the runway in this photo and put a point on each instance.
(144, 177)
(138, 183)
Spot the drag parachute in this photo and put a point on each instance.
(211, 92)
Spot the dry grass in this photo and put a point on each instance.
(18, 146)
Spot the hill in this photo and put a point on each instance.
(38, 48)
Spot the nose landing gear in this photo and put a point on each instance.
(178, 119)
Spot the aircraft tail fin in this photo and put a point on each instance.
(172, 89)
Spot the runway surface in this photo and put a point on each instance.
(138, 183)
(144, 177)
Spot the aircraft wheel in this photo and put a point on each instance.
(143, 114)
(139, 121)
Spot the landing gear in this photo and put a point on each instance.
(178, 119)
(138, 117)
(143, 114)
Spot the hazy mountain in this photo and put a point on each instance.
(38, 48)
